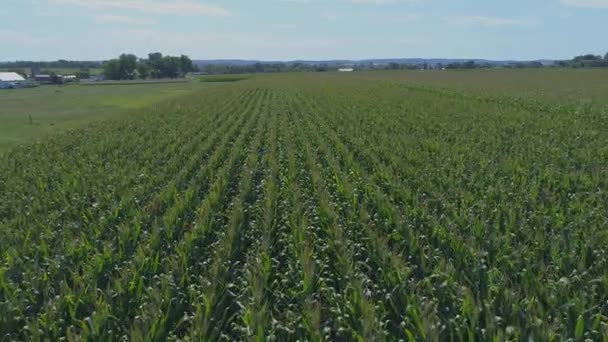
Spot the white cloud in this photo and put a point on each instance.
(179, 7)
(383, 2)
(487, 21)
(586, 3)
(123, 19)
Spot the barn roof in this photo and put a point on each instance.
(10, 77)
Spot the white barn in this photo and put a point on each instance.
(10, 80)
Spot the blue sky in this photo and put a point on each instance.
(302, 29)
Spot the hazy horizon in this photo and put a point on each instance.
(285, 30)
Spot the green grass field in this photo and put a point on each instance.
(225, 78)
(360, 207)
(56, 108)
(551, 85)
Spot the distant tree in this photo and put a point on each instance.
(170, 67)
(321, 68)
(606, 57)
(588, 57)
(297, 66)
(143, 70)
(111, 69)
(155, 63)
(122, 68)
(469, 65)
(128, 65)
(394, 66)
(186, 64)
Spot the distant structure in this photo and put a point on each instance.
(11, 80)
(43, 79)
(55, 79)
(346, 70)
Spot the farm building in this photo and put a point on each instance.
(42, 78)
(346, 70)
(10, 80)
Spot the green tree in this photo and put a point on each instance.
(606, 57)
(127, 65)
(186, 64)
(122, 68)
(170, 67)
(143, 69)
(394, 66)
(469, 65)
(155, 63)
(111, 69)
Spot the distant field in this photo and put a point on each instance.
(136, 82)
(309, 207)
(560, 85)
(225, 78)
(55, 108)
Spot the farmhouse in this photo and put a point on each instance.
(10, 80)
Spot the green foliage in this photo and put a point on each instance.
(312, 208)
(586, 61)
(156, 66)
(60, 64)
(464, 65)
(160, 66)
(143, 70)
(122, 68)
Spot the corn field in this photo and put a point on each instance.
(312, 208)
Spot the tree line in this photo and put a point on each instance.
(59, 64)
(259, 67)
(130, 67)
(586, 61)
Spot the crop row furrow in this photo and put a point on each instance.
(171, 245)
(216, 305)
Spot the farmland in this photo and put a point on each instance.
(54, 109)
(552, 85)
(314, 207)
